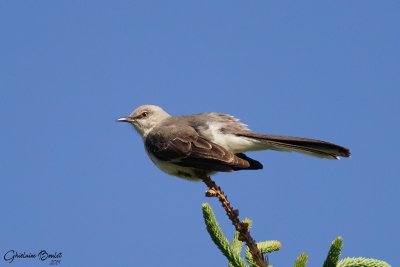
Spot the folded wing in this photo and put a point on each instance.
(186, 148)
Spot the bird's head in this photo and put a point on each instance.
(144, 118)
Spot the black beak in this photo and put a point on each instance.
(125, 119)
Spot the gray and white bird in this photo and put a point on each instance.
(196, 146)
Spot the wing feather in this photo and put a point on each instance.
(187, 148)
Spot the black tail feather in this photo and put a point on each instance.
(254, 164)
(312, 147)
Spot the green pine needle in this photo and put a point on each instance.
(269, 246)
(236, 244)
(301, 260)
(219, 238)
(362, 262)
(334, 253)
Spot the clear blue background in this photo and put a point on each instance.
(75, 181)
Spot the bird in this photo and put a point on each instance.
(196, 146)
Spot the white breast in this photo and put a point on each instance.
(174, 170)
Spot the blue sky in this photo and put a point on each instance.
(75, 181)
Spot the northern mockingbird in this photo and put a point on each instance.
(200, 145)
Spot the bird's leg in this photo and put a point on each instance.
(233, 215)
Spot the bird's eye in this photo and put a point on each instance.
(145, 114)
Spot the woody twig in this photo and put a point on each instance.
(233, 215)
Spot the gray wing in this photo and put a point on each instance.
(183, 146)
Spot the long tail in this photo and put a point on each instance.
(311, 147)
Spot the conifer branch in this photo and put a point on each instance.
(236, 244)
(361, 262)
(219, 238)
(233, 215)
(269, 246)
(265, 247)
(254, 251)
(334, 253)
(301, 260)
(249, 258)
